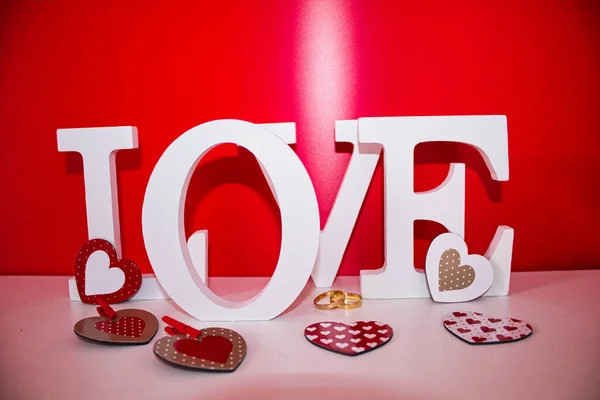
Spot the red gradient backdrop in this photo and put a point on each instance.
(168, 67)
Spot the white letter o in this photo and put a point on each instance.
(163, 221)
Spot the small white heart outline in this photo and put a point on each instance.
(341, 345)
(484, 273)
(312, 337)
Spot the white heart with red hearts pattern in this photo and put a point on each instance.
(475, 328)
(484, 273)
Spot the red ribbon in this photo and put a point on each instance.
(105, 310)
(179, 328)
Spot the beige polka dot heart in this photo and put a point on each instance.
(454, 275)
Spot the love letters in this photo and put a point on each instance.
(180, 265)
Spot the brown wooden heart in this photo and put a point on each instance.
(216, 349)
(131, 326)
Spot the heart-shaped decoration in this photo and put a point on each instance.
(125, 326)
(453, 275)
(99, 272)
(216, 349)
(352, 340)
(130, 326)
(476, 328)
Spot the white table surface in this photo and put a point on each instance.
(41, 357)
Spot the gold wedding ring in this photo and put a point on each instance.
(356, 301)
(338, 299)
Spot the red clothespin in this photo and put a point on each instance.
(179, 328)
(105, 310)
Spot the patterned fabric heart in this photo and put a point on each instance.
(476, 328)
(357, 338)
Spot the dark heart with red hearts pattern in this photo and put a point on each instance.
(130, 326)
(352, 340)
(133, 276)
(476, 328)
(215, 350)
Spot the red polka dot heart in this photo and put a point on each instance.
(126, 326)
(98, 271)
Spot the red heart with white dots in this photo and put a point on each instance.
(357, 338)
(130, 326)
(131, 275)
(126, 326)
(476, 328)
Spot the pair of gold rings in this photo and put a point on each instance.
(338, 299)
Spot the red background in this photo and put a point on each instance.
(166, 68)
